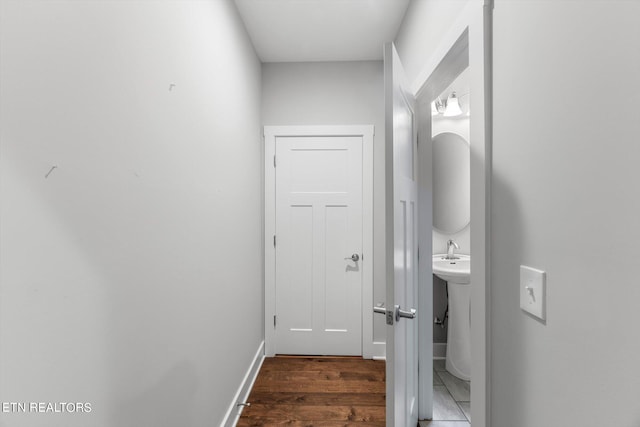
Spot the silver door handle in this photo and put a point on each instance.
(411, 314)
(354, 258)
(380, 309)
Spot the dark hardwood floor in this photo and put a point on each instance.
(317, 391)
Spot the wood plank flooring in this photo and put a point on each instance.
(317, 391)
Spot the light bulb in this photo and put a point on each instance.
(453, 107)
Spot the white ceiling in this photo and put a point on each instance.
(321, 30)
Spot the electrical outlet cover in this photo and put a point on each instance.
(533, 291)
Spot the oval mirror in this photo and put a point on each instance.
(451, 182)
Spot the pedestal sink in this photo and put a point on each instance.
(453, 270)
(457, 274)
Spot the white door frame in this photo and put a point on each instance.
(271, 133)
(474, 23)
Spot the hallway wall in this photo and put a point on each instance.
(123, 269)
(335, 93)
(565, 157)
(565, 200)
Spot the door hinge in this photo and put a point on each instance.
(274, 161)
(274, 240)
(274, 320)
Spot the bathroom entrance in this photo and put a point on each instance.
(453, 120)
(450, 115)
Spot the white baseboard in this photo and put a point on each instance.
(234, 411)
(379, 351)
(439, 350)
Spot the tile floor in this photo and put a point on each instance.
(451, 399)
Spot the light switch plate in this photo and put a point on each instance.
(533, 291)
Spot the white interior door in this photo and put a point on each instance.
(319, 245)
(402, 227)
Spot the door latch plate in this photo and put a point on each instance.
(390, 316)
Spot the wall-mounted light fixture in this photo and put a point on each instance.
(434, 108)
(438, 107)
(448, 108)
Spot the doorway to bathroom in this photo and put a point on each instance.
(464, 50)
(450, 115)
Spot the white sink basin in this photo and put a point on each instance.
(453, 270)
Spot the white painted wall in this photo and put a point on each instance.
(335, 93)
(424, 24)
(566, 200)
(131, 276)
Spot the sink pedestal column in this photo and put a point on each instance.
(458, 360)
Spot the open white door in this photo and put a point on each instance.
(401, 250)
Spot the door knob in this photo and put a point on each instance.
(354, 258)
(410, 314)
